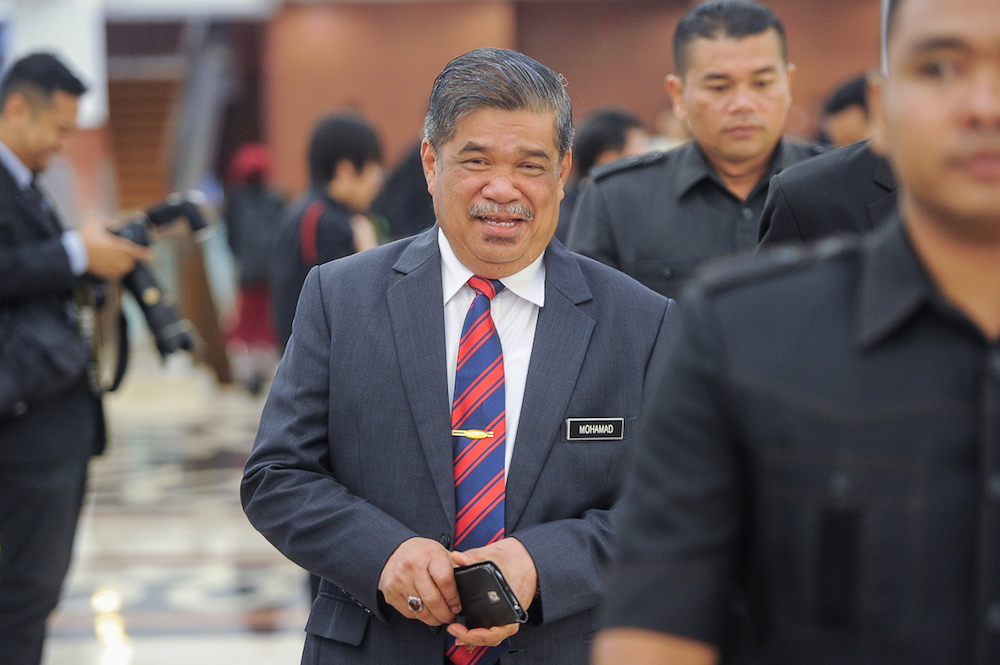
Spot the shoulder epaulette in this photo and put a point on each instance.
(627, 163)
(722, 275)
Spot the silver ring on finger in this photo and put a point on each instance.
(415, 604)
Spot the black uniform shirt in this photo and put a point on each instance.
(657, 217)
(826, 429)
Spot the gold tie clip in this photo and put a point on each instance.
(472, 433)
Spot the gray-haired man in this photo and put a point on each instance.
(358, 470)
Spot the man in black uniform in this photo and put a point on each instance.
(345, 168)
(47, 436)
(825, 434)
(847, 190)
(657, 217)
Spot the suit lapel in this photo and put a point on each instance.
(33, 216)
(416, 311)
(562, 336)
(879, 209)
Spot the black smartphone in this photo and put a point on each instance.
(487, 600)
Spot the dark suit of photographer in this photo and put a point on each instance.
(47, 438)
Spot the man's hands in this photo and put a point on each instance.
(421, 567)
(109, 256)
(424, 568)
(518, 568)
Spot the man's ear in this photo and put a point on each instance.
(17, 106)
(875, 82)
(428, 158)
(675, 88)
(790, 70)
(565, 166)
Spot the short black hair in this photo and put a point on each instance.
(38, 76)
(338, 137)
(717, 19)
(604, 129)
(852, 93)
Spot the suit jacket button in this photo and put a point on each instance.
(445, 540)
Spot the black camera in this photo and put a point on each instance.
(170, 330)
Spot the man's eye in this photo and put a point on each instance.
(939, 69)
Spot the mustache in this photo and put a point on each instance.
(492, 208)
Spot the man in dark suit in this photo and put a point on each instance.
(357, 472)
(848, 190)
(45, 444)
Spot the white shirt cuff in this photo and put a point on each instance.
(77, 251)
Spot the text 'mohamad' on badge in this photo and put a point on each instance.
(595, 429)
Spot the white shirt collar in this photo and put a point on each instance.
(529, 283)
(20, 172)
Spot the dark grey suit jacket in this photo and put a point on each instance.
(34, 266)
(354, 453)
(848, 190)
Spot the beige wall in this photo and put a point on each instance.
(377, 59)
(380, 59)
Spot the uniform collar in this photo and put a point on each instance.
(894, 283)
(695, 167)
(529, 283)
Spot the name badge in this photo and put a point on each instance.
(595, 429)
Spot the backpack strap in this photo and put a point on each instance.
(307, 232)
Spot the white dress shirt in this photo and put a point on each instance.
(515, 313)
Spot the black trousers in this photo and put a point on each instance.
(39, 509)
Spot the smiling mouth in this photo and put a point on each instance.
(501, 216)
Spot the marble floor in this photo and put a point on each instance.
(167, 569)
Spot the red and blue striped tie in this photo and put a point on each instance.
(479, 435)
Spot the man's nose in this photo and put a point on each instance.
(501, 188)
(742, 99)
(983, 100)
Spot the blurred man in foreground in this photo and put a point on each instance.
(825, 436)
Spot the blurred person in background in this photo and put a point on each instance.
(659, 216)
(605, 136)
(669, 131)
(850, 485)
(845, 114)
(329, 222)
(404, 201)
(47, 337)
(251, 213)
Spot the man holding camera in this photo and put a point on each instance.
(49, 431)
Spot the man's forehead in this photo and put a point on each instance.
(725, 54)
(489, 128)
(928, 24)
